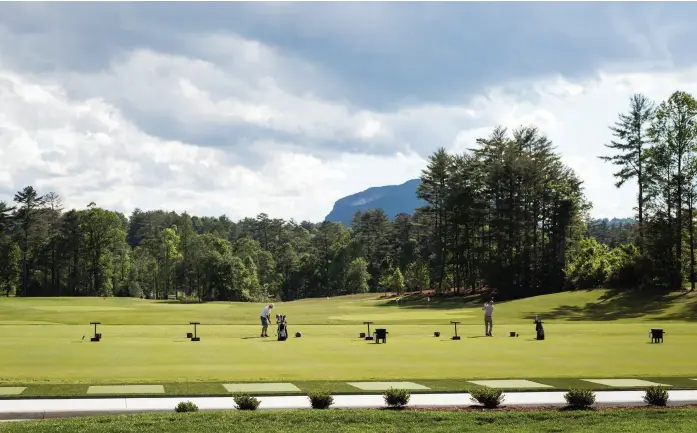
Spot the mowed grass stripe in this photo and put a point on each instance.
(383, 386)
(11, 390)
(126, 389)
(261, 387)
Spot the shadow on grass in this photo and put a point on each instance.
(614, 305)
(689, 310)
(434, 302)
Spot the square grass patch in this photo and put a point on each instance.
(261, 387)
(54, 390)
(510, 384)
(384, 386)
(126, 389)
(625, 383)
(195, 389)
(11, 390)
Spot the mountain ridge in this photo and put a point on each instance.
(400, 198)
(392, 199)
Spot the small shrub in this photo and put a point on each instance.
(656, 396)
(580, 398)
(186, 406)
(488, 397)
(246, 402)
(320, 400)
(396, 398)
(184, 299)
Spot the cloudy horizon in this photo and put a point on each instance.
(284, 108)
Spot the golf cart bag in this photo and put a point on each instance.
(282, 331)
(539, 329)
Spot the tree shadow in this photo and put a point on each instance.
(688, 312)
(613, 305)
(435, 302)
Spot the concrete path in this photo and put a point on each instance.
(63, 408)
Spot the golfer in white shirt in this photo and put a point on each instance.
(488, 322)
(265, 319)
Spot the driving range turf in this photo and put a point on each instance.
(590, 334)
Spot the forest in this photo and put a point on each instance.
(506, 217)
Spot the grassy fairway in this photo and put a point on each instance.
(590, 335)
(345, 421)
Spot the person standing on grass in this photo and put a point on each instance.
(488, 321)
(265, 319)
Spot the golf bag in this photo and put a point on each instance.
(539, 329)
(282, 331)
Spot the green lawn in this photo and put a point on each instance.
(610, 421)
(590, 334)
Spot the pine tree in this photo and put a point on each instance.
(30, 202)
(631, 141)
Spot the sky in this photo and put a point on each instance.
(284, 108)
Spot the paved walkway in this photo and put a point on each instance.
(62, 408)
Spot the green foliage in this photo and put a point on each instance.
(659, 148)
(397, 281)
(189, 299)
(613, 233)
(490, 398)
(580, 398)
(595, 265)
(396, 398)
(10, 262)
(357, 276)
(656, 396)
(393, 281)
(417, 275)
(186, 406)
(626, 264)
(246, 402)
(320, 400)
(590, 267)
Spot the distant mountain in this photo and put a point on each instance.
(392, 199)
(396, 199)
(616, 221)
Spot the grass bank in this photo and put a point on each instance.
(357, 421)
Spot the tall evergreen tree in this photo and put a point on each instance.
(630, 131)
(30, 203)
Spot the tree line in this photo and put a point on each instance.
(656, 146)
(507, 216)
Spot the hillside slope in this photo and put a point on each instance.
(413, 309)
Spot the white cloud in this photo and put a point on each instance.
(98, 155)
(72, 133)
(576, 117)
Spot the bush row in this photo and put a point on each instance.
(489, 398)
